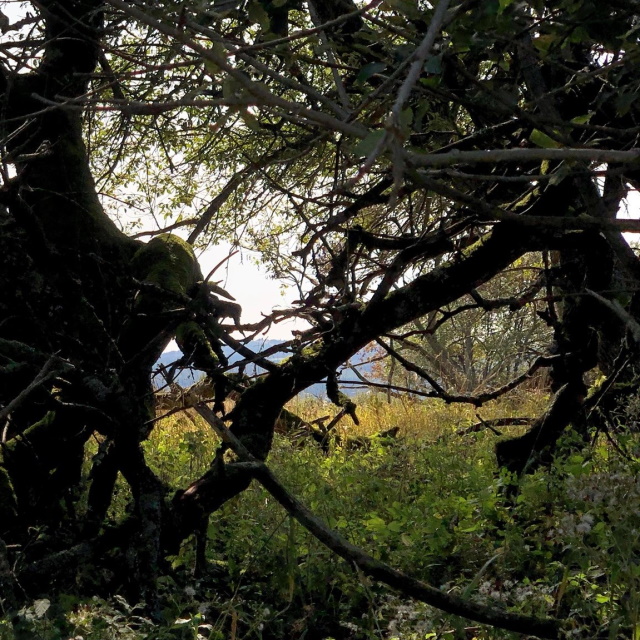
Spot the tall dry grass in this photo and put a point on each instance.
(417, 418)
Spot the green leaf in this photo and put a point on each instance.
(231, 88)
(624, 101)
(559, 175)
(210, 65)
(623, 298)
(250, 120)
(543, 43)
(433, 65)
(430, 81)
(406, 540)
(369, 70)
(578, 35)
(406, 118)
(409, 8)
(490, 7)
(503, 5)
(582, 119)
(256, 13)
(369, 143)
(541, 139)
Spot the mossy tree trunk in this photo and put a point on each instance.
(86, 312)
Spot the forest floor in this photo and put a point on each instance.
(430, 502)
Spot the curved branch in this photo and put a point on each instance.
(411, 587)
(492, 156)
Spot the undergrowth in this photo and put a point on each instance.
(429, 503)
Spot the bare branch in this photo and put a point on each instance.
(491, 156)
(44, 375)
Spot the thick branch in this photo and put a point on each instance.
(492, 156)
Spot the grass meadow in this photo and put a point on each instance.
(429, 503)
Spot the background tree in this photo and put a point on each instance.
(483, 341)
(388, 159)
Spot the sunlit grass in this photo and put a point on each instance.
(429, 503)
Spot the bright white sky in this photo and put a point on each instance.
(252, 288)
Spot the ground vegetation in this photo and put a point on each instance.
(391, 160)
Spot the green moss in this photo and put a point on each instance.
(8, 505)
(596, 386)
(471, 249)
(311, 351)
(37, 436)
(169, 262)
(193, 341)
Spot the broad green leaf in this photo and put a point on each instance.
(406, 119)
(369, 70)
(368, 144)
(256, 13)
(433, 65)
(541, 139)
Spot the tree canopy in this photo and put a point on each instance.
(394, 161)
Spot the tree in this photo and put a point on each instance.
(483, 341)
(388, 158)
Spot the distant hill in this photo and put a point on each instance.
(187, 377)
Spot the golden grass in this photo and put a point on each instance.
(418, 419)
(428, 419)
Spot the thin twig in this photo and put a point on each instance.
(43, 375)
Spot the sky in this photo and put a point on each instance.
(251, 286)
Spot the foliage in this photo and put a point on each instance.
(565, 547)
(394, 161)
